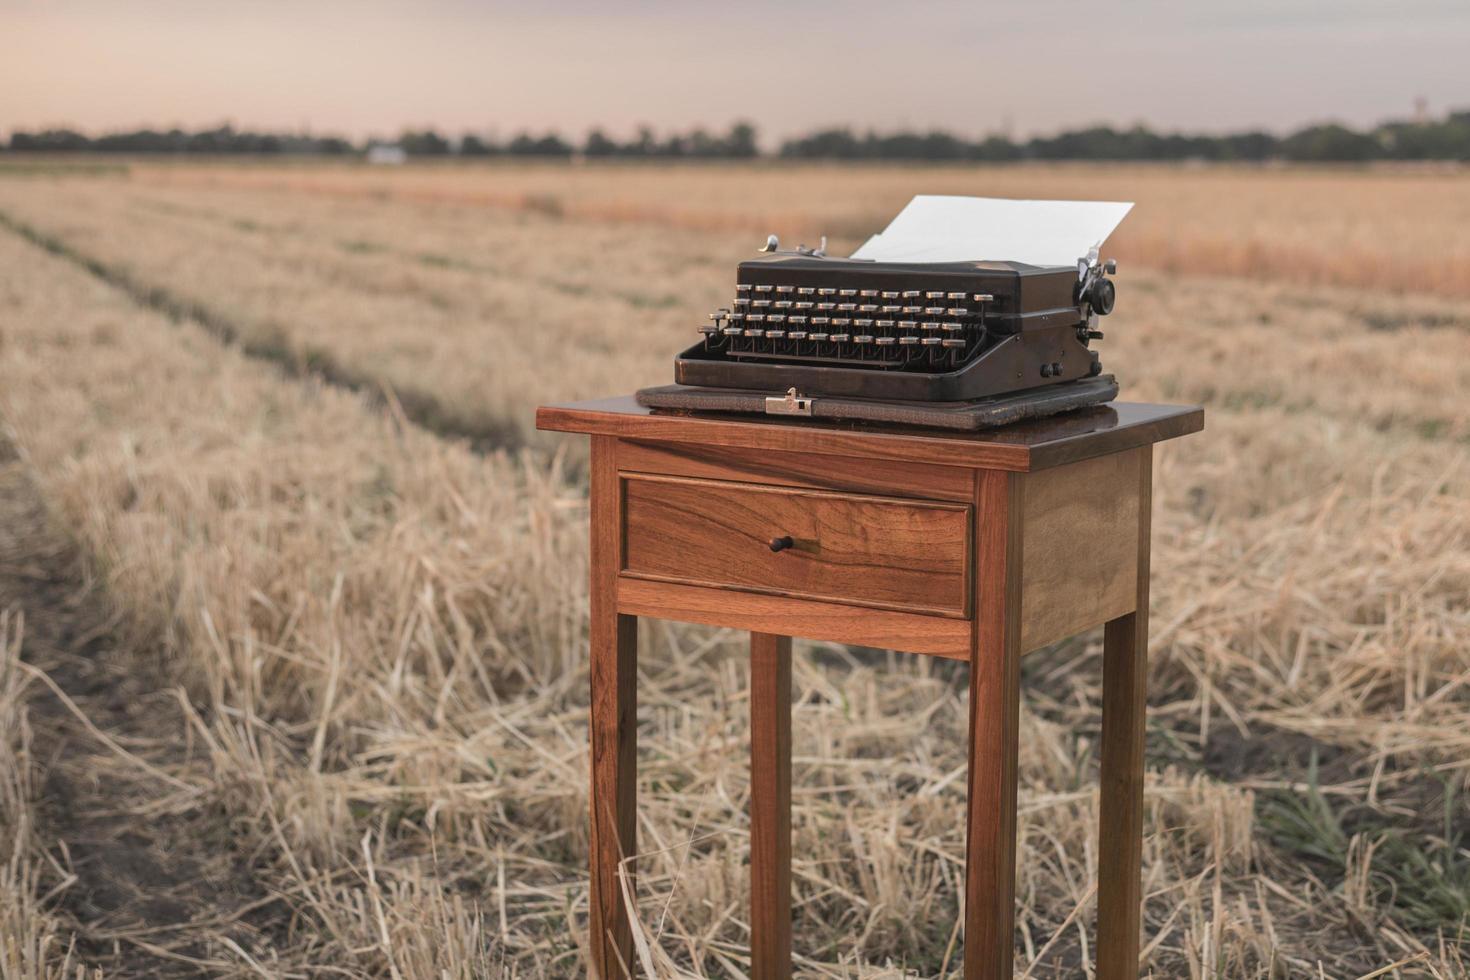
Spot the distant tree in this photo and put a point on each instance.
(598, 145)
(550, 145)
(49, 141)
(740, 143)
(423, 143)
(1331, 142)
(471, 145)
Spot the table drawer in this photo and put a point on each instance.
(883, 552)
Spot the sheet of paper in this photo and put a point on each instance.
(937, 228)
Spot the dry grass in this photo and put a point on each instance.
(382, 640)
(1405, 229)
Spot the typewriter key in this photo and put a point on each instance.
(817, 336)
(796, 334)
(952, 343)
(909, 341)
(867, 308)
(731, 331)
(840, 321)
(821, 320)
(847, 292)
(805, 290)
(889, 294)
(742, 287)
(796, 318)
(803, 306)
(885, 341)
(846, 307)
(930, 341)
(911, 294)
(863, 338)
(954, 295)
(826, 306)
(785, 289)
(912, 309)
(908, 324)
(868, 293)
(883, 324)
(752, 332)
(775, 334)
(892, 309)
(983, 298)
(760, 304)
(826, 291)
(928, 310)
(841, 338)
(764, 288)
(742, 301)
(862, 324)
(932, 294)
(951, 327)
(776, 318)
(785, 304)
(956, 311)
(708, 330)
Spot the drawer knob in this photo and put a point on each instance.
(782, 543)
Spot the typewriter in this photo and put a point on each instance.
(855, 331)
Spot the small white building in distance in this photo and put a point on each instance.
(386, 154)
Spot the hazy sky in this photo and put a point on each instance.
(374, 67)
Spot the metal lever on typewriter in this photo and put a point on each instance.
(773, 246)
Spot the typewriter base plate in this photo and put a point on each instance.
(987, 413)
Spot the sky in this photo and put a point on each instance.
(373, 67)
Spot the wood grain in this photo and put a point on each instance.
(1081, 565)
(1026, 446)
(995, 699)
(1125, 704)
(806, 470)
(613, 726)
(911, 632)
(770, 807)
(883, 552)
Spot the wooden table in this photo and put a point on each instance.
(976, 547)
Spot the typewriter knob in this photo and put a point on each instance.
(1102, 294)
(782, 543)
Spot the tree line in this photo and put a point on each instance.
(1446, 138)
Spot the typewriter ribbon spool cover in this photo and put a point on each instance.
(959, 303)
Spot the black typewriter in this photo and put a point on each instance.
(905, 333)
(900, 331)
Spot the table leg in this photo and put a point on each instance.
(995, 698)
(614, 727)
(770, 807)
(1125, 701)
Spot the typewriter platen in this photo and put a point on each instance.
(940, 331)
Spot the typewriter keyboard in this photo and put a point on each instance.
(911, 329)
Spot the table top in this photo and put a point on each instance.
(1026, 446)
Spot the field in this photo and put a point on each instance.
(294, 668)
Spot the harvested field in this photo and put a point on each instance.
(276, 424)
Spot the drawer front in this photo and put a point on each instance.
(884, 552)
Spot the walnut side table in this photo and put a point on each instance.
(977, 547)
